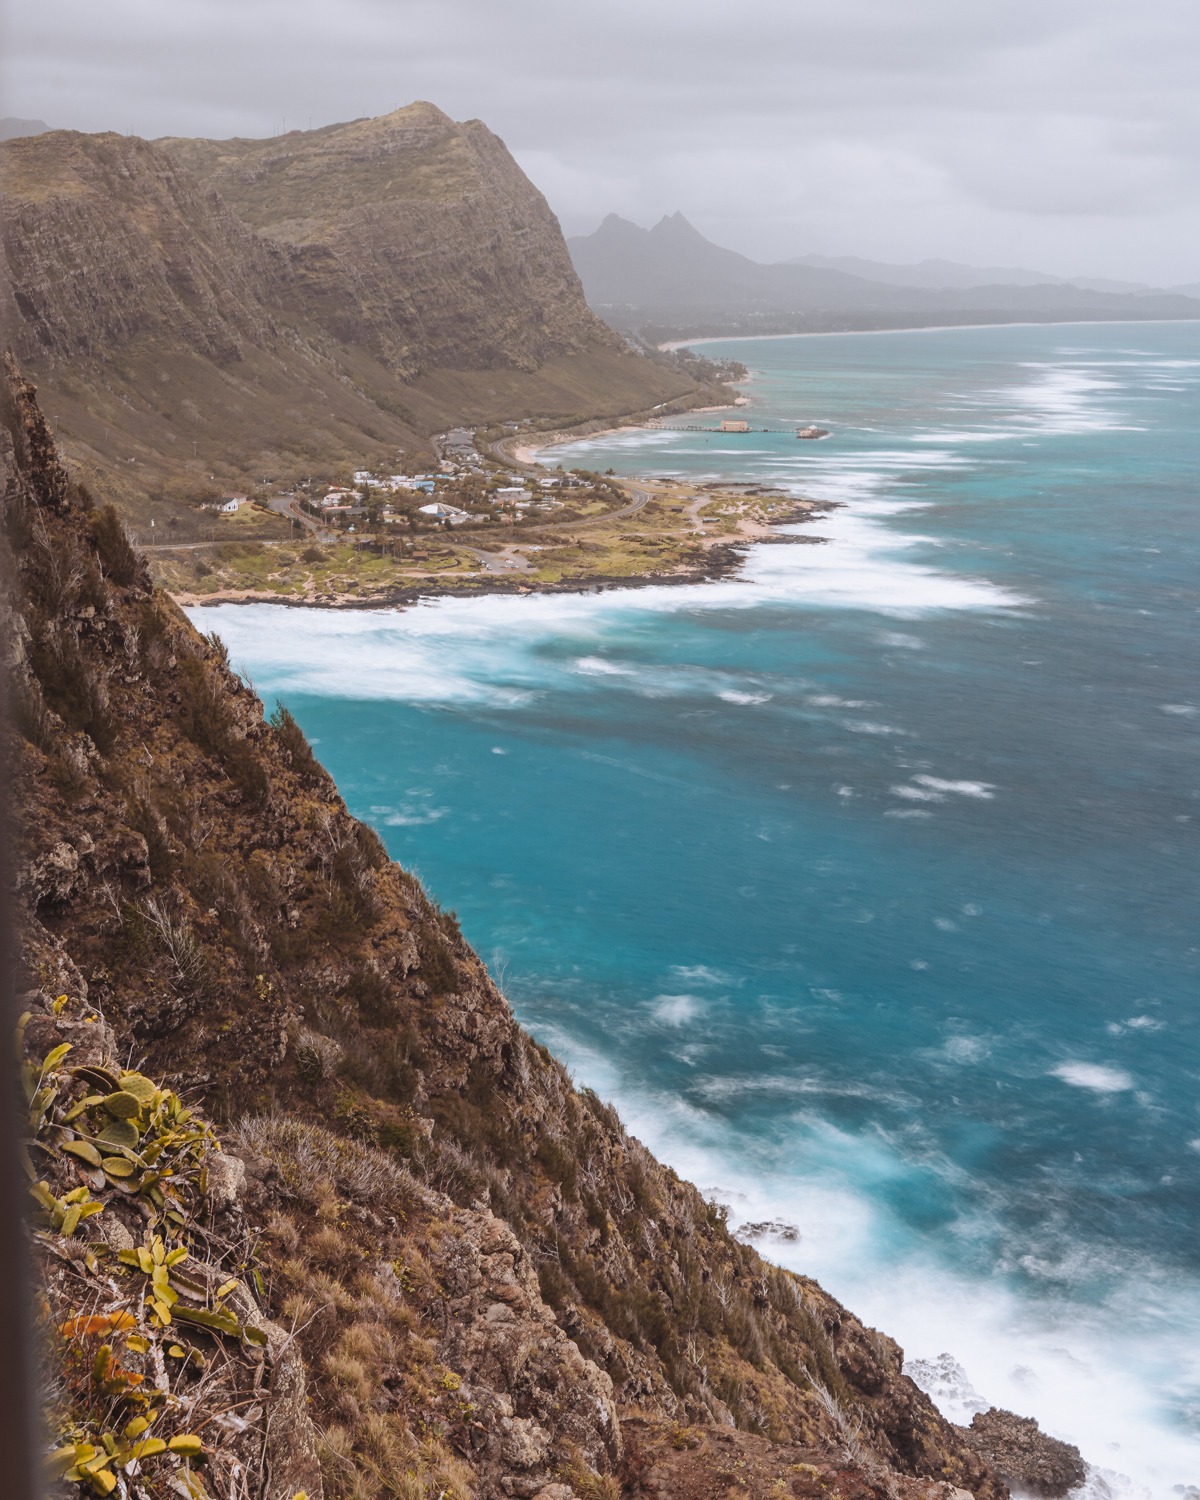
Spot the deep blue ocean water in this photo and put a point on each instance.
(865, 883)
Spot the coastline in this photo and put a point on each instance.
(722, 560)
(520, 448)
(842, 333)
(669, 533)
(994, 1321)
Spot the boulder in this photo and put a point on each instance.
(1023, 1454)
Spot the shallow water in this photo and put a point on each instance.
(865, 882)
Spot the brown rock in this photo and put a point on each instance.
(1024, 1455)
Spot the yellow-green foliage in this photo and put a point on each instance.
(126, 1363)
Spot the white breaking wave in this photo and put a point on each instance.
(981, 789)
(1101, 1377)
(676, 1010)
(1094, 1076)
(731, 695)
(489, 651)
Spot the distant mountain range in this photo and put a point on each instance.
(670, 280)
(949, 274)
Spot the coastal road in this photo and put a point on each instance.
(287, 506)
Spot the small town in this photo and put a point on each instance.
(481, 516)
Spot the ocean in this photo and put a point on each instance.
(865, 882)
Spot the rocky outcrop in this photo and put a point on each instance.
(1025, 1455)
(532, 1390)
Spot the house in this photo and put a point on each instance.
(230, 504)
(511, 492)
(442, 512)
(337, 498)
(731, 425)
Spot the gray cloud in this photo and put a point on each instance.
(1062, 133)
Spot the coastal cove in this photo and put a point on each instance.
(863, 881)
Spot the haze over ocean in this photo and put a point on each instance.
(864, 883)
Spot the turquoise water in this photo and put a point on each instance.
(865, 882)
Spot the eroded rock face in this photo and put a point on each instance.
(1025, 1455)
(412, 235)
(535, 1395)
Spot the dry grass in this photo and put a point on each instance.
(313, 1160)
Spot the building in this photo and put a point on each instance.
(442, 512)
(230, 504)
(731, 425)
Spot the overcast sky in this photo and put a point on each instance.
(1058, 134)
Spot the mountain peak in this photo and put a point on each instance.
(677, 227)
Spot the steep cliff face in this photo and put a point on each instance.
(90, 281)
(206, 312)
(492, 1287)
(416, 237)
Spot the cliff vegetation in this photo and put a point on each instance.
(313, 1213)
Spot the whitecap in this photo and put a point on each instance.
(699, 974)
(917, 794)
(1094, 1076)
(981, 789)
(870, 726)
(599, 666)
(731, 695)
(408, 816)
(675, 1010)
(1182, 710)
(965, 1049)
(907, 812)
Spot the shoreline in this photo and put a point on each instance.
(841, 333)
(722, 559)
(524, 455)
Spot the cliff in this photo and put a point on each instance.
(203, 313)
(310, 1203)
(416, 238)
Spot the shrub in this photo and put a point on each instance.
(204, 709)
(245, 769)
(317, 1057)
(294, 743)
(112, 542)
(71, 688)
